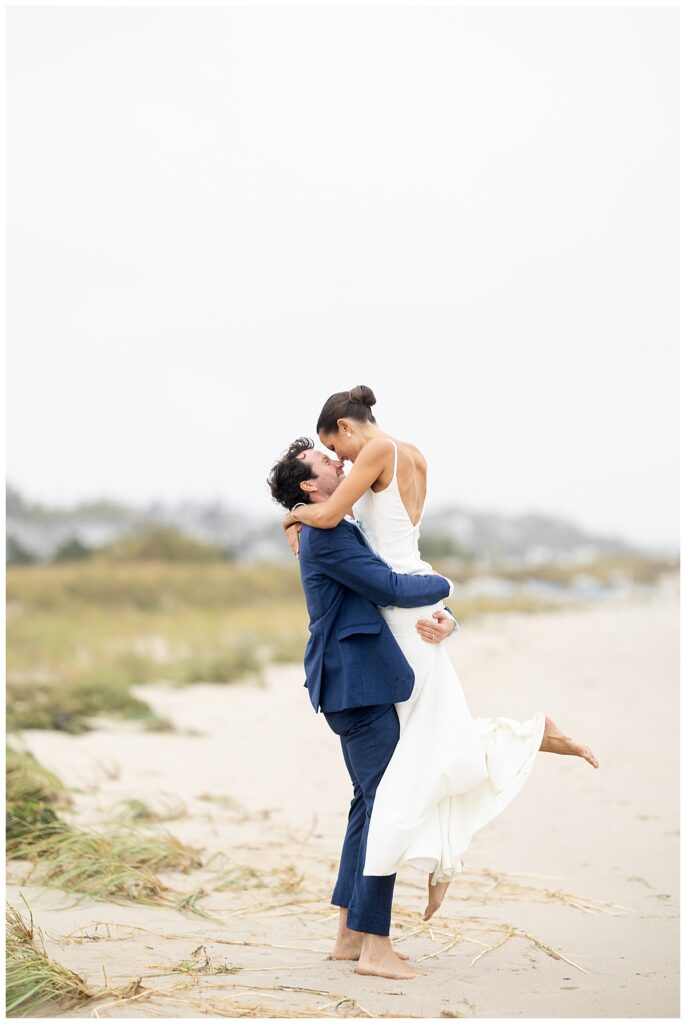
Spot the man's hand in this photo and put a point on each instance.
(293, 537)
(437, 628)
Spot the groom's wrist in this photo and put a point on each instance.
(448, 611)
(451, 586)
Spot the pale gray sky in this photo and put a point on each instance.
(219, 216)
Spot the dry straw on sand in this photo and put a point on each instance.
(259, 891)
(247, 999)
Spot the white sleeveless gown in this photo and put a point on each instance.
(450, 773)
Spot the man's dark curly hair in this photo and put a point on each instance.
(288, 473)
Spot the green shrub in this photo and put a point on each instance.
(72, 550)
(160, 544)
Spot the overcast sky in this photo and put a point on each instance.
(217, 217)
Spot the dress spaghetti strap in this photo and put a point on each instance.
(395, 461)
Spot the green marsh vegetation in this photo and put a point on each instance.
(605, 571)
(81, 634)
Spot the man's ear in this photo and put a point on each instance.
(308, 485)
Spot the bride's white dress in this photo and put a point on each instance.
(450, 773)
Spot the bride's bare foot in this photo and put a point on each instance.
(436, 894)
(378, 958)
(555, 742)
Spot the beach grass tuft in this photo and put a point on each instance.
(34, 796)
(116, 866)
(32, 977)
(133, 810)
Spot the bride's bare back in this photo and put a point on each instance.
(411, 478)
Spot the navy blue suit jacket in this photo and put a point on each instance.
(352, 659)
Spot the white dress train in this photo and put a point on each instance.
(450, 773)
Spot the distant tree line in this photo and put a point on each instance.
(168, 544)
(159, 544)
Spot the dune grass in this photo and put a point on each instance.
(34, 796)
(81, 635)
(136, 811)
(605, 570)
(117, 865)
(32, 977)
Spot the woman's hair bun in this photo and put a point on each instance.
(364, 395)
(355, 404)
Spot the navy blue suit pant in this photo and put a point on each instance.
(368, 738)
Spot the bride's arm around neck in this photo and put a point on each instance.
(376, 455)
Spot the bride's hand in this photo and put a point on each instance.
(293, 537)
(437, 628)
(287, 522)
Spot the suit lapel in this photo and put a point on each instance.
(362, 537)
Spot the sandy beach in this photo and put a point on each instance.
(568, 905)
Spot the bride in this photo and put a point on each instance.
(450, 773)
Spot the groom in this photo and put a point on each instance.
(356, 673)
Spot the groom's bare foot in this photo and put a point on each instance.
(436, 894)
(350, 948)
(555, 742)
(380, 960)
(349, 943)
